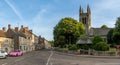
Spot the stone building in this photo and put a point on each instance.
(21, 38)
(6, 42)
(40, 44)
(85, 18)
(29, 38)
(18, 37)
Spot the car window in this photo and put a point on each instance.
(2, 52)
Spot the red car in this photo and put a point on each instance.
(16, 53)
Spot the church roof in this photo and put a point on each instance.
(99, 31)
(84, 41)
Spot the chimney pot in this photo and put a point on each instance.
(9, 26)
(21, 26)
(4, 29)
(30, 31)
(16, 29)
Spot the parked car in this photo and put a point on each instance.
(3, 54)
(16, 53)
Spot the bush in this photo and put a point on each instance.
(101, 46)
(72, 47)
(85, 47)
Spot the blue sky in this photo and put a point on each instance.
(42, 15)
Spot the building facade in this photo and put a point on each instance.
(6, 42)
(20, 39)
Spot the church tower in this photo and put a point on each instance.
(85, 18)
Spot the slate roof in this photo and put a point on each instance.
(93, 32)
(99, 31)
(12, 32)
(84, 41)
(20, 34)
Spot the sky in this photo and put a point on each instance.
(43, 15)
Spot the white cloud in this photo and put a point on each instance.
(15, 10)
(40, 24)
(39, 15)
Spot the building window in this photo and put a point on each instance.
(85, 20)
(20, 47)
(24, 47)
(6, 41)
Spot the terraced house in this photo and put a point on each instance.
(6, 41)
(19, 38)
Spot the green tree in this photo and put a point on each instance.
(116, 34)
(101, 46)
(104, 26)
(70, 29)
(72, 47)
(97, 39)
(110, 39)
(52, 43)
(116, 38)
(84, 46)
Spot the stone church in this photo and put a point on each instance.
(85, 18)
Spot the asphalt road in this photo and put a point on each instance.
(44, 57)
(31, 58)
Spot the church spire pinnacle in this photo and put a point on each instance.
(81, 10)
(88, 9)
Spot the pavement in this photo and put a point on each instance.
(90, 56)
(70, 59)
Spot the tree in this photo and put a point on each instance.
(52, 43)
(101, 46)
(104, 26)
(110, 39)
(97, 39)
(70, 29)
(116, 34)
(116, 38)
(72, 47)
(84, 46)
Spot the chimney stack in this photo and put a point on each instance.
(16, 29)
(4, 29)
(21, 26)
(24, 31)
(26, 28)
(9, 26)
(30, 31)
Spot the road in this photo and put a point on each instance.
(44, 57)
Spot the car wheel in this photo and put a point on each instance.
(16, 55)
(21, 54)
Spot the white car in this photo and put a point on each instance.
(3, 54)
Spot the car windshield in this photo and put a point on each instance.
(2, 51)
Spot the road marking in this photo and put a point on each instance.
(4, 63)
(49, 58)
